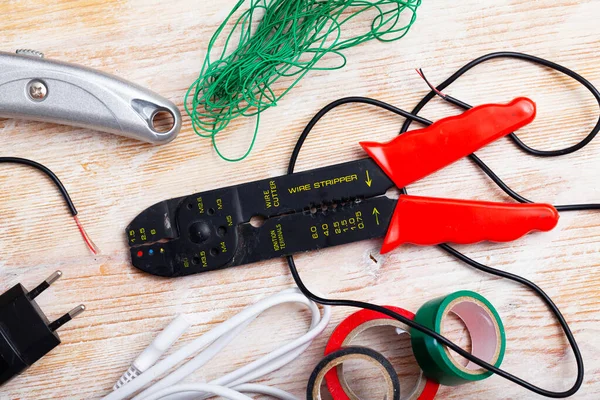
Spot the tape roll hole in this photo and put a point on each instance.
(162, 121)
(366, 359)
(394, 345)
(364, 379)
(472, 327)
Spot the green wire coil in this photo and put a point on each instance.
(280, 39)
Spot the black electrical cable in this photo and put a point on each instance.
(436, 91)
(412, 324)
(49, 173)
(525, 57)
(544, 153)
(63, 191)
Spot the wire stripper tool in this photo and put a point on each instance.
(340, 204)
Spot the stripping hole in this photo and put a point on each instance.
(257, 221)
(195, 260)
(190, 206)
(163, 121)
(221, 231)
(211, 211)
(393, 193)
(214, 252)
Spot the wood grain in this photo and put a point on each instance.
(161, 45)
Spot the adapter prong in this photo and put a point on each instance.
(44, 285)
(66, 318)
(76, 311)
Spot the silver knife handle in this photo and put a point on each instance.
(38, 89)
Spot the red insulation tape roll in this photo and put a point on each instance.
(351, 327)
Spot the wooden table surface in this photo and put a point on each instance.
(161, 45)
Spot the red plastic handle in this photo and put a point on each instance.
(416, 154)
(429, 221)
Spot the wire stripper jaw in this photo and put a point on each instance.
(180, 235)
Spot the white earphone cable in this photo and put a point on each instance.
(232, 385)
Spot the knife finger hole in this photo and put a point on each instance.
(163, 121)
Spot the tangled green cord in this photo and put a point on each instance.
(280, 39)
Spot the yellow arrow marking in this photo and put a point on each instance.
(376, 214)
(369, 180)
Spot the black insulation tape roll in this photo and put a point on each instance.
(332, 360)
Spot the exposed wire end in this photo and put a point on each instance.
(88, 241)
(433, 88)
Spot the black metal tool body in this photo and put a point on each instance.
(263, 219)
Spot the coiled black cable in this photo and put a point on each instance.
(543, 153)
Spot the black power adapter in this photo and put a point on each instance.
(26, 335)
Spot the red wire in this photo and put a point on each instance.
(422, 75)
(90, 244)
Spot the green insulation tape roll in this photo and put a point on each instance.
(488, 340)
